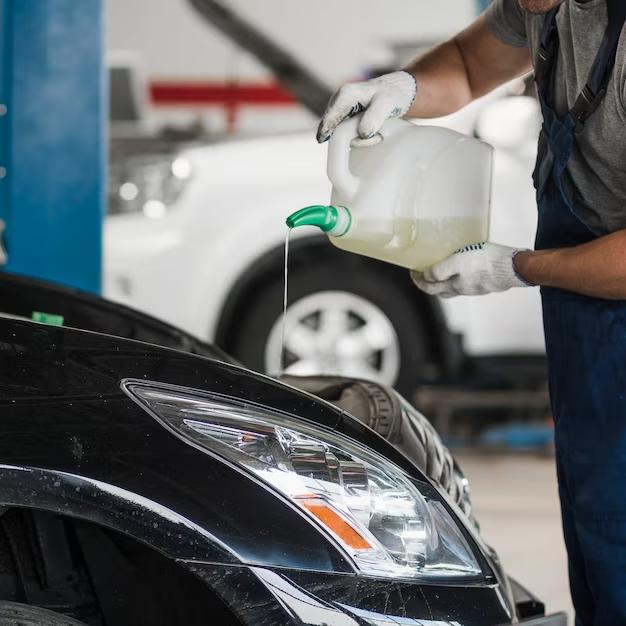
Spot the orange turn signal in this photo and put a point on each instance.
(336, 523)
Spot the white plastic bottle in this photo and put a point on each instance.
(411, 199)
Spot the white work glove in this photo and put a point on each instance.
(474, 270)
(390, 95)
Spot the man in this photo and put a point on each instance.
(578, 51)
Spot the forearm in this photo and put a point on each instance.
(465, 68)
(442, 82)
(597, 268)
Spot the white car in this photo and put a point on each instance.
(198, 240)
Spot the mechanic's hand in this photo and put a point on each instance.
(474, 270)
(390, 95)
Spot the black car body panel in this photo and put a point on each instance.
(22, 296)
(60, 395)
(74, 444)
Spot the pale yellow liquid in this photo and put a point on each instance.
(410, 243)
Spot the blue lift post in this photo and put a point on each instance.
(52, 139)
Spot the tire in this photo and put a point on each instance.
(14, 614)
(349, 287)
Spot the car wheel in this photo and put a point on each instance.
(347, 316)
(15, 614)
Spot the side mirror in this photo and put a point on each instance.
(510, 123)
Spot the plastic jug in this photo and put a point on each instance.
(411, 199)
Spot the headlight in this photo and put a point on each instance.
(147, 184)
(370, 506)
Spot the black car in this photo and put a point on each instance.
(164, 484)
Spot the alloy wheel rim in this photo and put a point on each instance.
(335, 333)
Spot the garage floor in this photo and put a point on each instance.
(516, 503)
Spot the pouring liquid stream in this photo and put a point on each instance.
(281, 364)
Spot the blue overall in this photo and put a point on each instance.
(586, 351)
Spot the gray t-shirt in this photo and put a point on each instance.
(596, 174)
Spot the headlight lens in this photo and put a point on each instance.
(369, 505)
(147, 184)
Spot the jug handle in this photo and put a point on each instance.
(339, 157)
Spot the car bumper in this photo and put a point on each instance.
(530, 610)
(558, 619)
(260, 596)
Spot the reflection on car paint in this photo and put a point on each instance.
(109, 505)
(312, 612)
(301, 604)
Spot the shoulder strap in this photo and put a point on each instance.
(547, 47)
(598, 80)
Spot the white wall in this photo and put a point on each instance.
(337, 39)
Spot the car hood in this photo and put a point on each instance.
(41, 361)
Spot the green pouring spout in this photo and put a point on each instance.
(333, 220)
